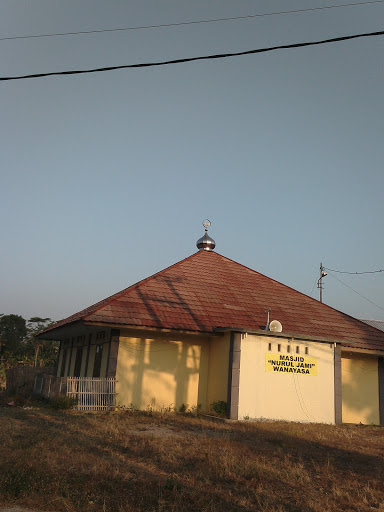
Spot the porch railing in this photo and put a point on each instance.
(92, 394)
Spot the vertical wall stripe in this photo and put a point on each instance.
(58, 359)
(70, 357)
(337, 384)
(87, 356)
(381, 389)
(234, 376)
(229, 389)
(113, 353)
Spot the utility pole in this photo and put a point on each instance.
(320, 281)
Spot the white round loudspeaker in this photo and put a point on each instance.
(275, 326)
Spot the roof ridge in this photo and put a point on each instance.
(293, 289)
(82, 314)
(133, 286)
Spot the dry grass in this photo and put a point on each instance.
(124, 461)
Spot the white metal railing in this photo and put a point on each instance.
(92, 394)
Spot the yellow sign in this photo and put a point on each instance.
(290, 364)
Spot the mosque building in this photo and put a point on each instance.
(198, 332)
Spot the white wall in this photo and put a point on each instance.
(286, 396)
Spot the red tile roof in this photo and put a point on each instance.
(206, 291)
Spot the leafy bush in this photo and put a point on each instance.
(220, 408)
(63, 402)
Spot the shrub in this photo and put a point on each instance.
(220, 408)
(63, 402)
(183, 408)
(196, 409)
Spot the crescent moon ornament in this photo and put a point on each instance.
(206, 223)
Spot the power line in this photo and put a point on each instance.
(313, 287)
(191, 59)
(354, 273)
(363, 296)
(214, 20)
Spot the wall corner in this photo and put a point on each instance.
(113, 353)
(234, 376)
(337, 384)
(381, 389)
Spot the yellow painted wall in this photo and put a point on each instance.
(162, 371)
(360, 389)
(218, 369)
(285, 396)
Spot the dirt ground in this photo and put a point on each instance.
(17, 509)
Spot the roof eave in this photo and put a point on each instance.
(151, 329)
(295, 336)
(346, 349)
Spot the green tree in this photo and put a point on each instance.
(13, 330)
(44, 351)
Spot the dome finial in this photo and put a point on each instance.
(206, 243)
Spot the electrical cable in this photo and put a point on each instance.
(301, 400)
(191, 59)
(214, 20)
(313, 287)
(337, 279)
(353, 273)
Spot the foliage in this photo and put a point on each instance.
(20, 346)
(63, 402)
(220, 408)
(46, 348)
(13, 330)
(183, 408)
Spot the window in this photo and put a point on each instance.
(306, 351)
(63, 362)
(98, 358)
(288, 348)
(269, 346)
(279, 347)
(297, 349)
(79, 358)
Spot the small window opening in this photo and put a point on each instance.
(269, 346)
(279, 347)
(297, 349)
(97, 363)
(78, 360)
(63, 362)
(306, 350)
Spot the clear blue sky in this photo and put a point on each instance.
(105, 178)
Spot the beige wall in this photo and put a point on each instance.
(285, 396)
(218, 369)
(162, 371)
(360, 389)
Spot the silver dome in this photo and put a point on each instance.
(205, 243)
